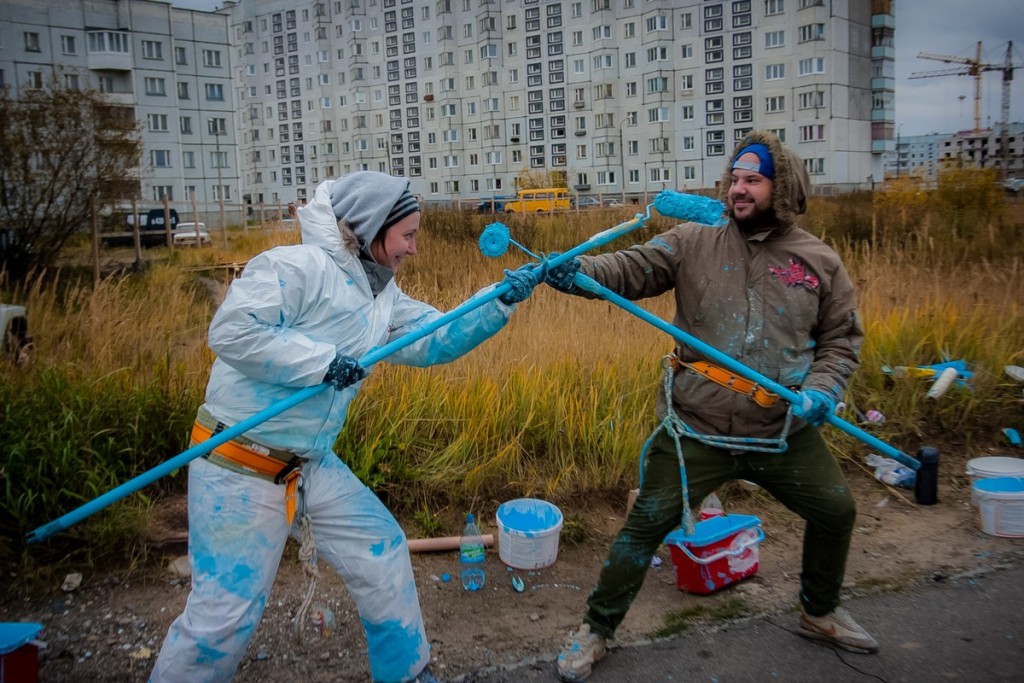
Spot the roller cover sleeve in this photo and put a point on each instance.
(693, 208)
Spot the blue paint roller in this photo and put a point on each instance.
(706, 211)
(370, 358)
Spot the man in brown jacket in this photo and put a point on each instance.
(777, 299)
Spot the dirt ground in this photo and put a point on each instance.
(110, 628)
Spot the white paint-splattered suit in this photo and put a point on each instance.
(282, 323)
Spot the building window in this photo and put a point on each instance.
(810, 32)
(815, 166)
(775, 104)
(32, 42)
(155, 86)
(152, 49)
(774, 72)
(773, 7)
(160, 158)
(813, 133)
(108, 41)
(774, 39)
(813, 99)
(657, 84)
(811, 65)
(67, 45)
(157, 122)
(215, 91)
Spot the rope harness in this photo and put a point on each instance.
(676, 427)
(308, 557)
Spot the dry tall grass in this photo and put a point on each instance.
(557, 405)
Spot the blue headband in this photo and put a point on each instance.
(766, 167)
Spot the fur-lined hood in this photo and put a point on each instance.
(790, 186)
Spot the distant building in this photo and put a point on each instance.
(171, 66)
(923, 156)
(261, 101)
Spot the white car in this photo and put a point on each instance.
(185, 233)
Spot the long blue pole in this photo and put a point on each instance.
(370, 358)
(589, 284)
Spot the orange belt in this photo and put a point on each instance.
(723, 377)
(257, 464)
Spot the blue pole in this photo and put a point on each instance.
(370, 358)
(589, 284)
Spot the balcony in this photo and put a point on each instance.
(110, 61)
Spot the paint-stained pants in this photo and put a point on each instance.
(806, 478)
(237, 533)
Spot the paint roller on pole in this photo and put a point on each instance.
(590, 285)
(369, 359)
(706, 211)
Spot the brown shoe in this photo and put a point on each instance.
(839, 628)
(577, 658)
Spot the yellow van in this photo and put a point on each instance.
(540, 199)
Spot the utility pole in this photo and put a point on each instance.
(220, 186)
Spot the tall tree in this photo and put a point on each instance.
(62, 151)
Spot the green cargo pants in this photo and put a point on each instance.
(806, 478)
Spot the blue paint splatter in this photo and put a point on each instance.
(394, 650)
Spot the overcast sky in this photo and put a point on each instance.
(945, 27)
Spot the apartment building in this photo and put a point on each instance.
(621, 97)
(171, 66)
(261, 101)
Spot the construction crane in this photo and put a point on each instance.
(975, 67)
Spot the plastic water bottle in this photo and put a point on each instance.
(711, 507)
(471, 555)
(942, 384)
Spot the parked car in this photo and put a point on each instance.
(586, 202)
(185, 234)
(491, 206)
(151, 229)
(15, 341)
(1014, 186)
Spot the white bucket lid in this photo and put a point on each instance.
(996, 466)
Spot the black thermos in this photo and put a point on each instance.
(926, 486)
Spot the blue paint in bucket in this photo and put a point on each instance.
(528, 532)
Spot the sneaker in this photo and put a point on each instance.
(577, 658)
(839, 628)
(426, 677)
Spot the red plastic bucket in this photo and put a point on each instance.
(19, 652)
(721, 551)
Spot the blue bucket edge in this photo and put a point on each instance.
(713, 530)
(1000, 485)
(553, 518)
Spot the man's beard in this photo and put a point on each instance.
(766, 220)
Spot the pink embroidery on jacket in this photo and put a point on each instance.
(795, 275)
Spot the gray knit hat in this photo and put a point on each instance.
(370, 201)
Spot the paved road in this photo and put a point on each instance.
(964, 628)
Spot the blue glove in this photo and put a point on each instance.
(561, 277)
(522, 281)
(814, 406)
(344, 371)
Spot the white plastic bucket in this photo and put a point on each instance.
(528, 531)
(1001, 503)
(992, 467)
